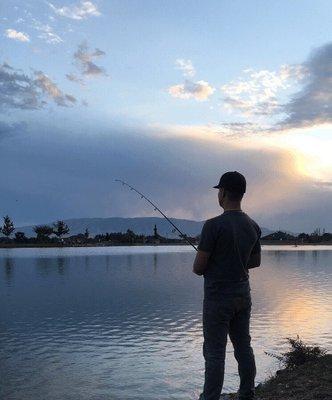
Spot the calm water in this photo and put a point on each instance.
(125, 323)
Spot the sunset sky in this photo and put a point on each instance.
(167, 96)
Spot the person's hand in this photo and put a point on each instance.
(200, 262)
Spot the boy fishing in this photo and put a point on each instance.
(229, 246)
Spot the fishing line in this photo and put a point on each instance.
(156, 208)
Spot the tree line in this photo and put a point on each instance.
(48, 234)
(317, 236)
(59, 229)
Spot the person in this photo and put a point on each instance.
(229, 246)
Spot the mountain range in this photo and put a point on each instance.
(139, 225)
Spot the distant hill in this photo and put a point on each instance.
(140, 225)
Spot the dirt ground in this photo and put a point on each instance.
(310, 381)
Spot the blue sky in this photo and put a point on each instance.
(167, 88)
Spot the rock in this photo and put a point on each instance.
(259, 386)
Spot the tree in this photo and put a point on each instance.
(20, 237)
(60, 229)
(8, 226)
(130, 236)
(279, 235)
(327, 236)
(43, 231)
(86, 233)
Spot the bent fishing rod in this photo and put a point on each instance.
(156, 208)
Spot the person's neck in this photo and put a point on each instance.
(232, 207)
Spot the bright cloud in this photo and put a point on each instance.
(257, 92)
(199, 90)
(312, 150)
(186, 67)
(240, 129)
(16, 35)
(46, 32)
(83, 10)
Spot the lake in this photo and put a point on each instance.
(124, 323)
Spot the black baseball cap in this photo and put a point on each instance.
(232, 181)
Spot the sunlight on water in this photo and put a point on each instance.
(125, 323)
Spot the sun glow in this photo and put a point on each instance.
(311, 149)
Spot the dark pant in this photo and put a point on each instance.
(228, 315)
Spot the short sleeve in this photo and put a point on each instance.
(208, 238)
(257, 247)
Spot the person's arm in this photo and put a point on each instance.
(255, 256)
(254, 260)
(201, 262)
(205, 248)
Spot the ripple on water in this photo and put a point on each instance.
(131, 327)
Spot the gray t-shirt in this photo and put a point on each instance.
(231, 238)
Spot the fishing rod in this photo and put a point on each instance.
(160, 212)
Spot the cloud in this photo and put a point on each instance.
(47, 32)
(51, 89)
(256, 94)
(186, 67)
(151, 162)
(20, 91)
(199, 90)
(17, 90)
(259, 94)
(16, 35)
(7, 129)
(324, 184)
(82, 10)
(239, 129)
(85, 61)
(75, 78)
(312, 105)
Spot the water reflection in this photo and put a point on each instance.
(60, 261)
(128, 326)
(9, 269)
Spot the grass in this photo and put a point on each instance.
(299, 353)
(308, 381)
(307, 375)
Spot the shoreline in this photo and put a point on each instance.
(309, 381)
(59, 245)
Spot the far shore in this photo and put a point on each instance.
(105, 244)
